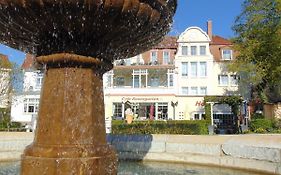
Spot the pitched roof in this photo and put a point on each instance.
(169, 42)
(28, 62)
(217, 45)
(4, 61)
(217, 40)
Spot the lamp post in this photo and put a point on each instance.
(212, 118)
(174, 104)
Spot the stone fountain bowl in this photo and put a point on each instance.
(104, 29)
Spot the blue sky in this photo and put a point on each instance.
(189, 13)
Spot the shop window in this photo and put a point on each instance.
(117, 110)
(162, 111)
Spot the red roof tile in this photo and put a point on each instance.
(217, 40)
(4, 61)
(28, 62)
(169, 42)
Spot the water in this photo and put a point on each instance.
(148, 168)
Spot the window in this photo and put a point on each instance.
(31, 105)
(39, 81)
(227, 54)
(184, 90)
(117, 110)
(193, 66)
(171, 80)
(153, 57)
(162, 111)
(193, 50)
(203, 69)
(166, 57)
(184, 68)
(233, 80)
(193, 91)
(223, 80)
(202, 50)
(120, 81)
(170, 77)
(203, 90)
(184, 50)
(154, 82)
(196, 116)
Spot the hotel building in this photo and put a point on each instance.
(168, 82)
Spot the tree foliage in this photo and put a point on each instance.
(258, 41)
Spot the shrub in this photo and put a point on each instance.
(161, 127)
(257, 116)
(261, 124)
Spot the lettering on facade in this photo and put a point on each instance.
(140, 99)
(199, 103)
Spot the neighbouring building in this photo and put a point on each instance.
(5, 81)
(25, 105)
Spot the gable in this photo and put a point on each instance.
(194, 34)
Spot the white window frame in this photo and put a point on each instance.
(201, 92)
(169, 58)
(206, 69)
(31, 102)
(205, 50)
(182, 51)
(223, 55)
(191, 50)
(184, 63)
(220, 80)
(191, 70)
(184, 90)
(152, 58)
(231, 80)
(193, 88)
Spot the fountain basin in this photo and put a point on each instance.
(260, 153)
(103, 29)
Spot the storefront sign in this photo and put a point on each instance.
(140, 99)
(199, 103)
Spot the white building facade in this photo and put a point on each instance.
(168, 82)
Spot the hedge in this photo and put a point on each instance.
(261, 125)
(185, 127)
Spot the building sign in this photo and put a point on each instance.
(199, 103)
(140, 99)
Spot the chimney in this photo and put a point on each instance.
(210, 29)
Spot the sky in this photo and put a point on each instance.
(189, 13)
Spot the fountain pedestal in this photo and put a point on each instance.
(70, 138)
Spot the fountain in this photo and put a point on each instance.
(76, 42)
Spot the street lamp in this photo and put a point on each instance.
(174, 104)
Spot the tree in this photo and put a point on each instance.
(258, 41)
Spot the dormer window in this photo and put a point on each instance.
(226, 54)
(184, 50)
